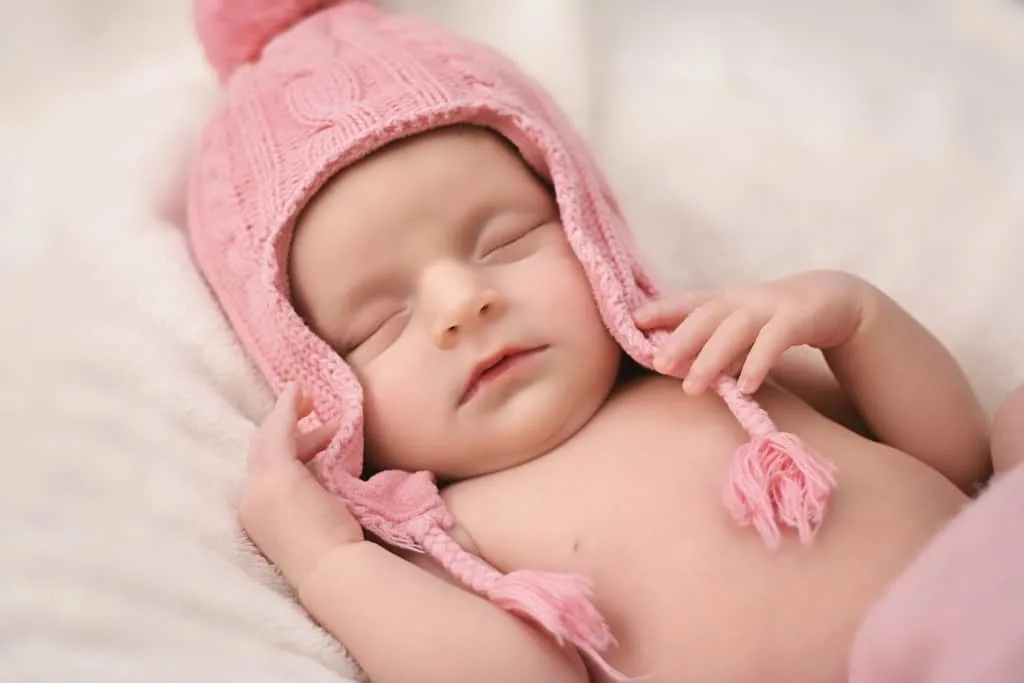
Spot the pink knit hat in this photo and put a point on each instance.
(313, 86)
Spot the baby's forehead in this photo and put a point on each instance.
(432, 174)
(411, 195)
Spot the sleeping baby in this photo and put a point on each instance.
(498, 452)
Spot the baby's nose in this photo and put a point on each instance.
(464, 316)
(464, 302)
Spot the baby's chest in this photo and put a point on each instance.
(639, 513)
(634, 502)
(605, 503)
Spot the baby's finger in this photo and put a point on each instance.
(689, 338)
(772, 341)
(275, 437)
(669, 311)
(732, 339)
(315, 440)
(303, 402)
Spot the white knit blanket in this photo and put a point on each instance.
(747, 138)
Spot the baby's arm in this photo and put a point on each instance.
(404, 623)
(907, 388)
(802, 370)
(398, 620)
(910, 391)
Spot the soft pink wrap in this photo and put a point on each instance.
(956, 615)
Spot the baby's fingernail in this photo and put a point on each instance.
(745, 385)
(691, 385)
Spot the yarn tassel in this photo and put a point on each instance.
(560, 604)
(775, 478)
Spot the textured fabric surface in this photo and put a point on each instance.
(957, 613)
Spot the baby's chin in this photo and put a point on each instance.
(528, 422)
(519, 437)
(537, 422)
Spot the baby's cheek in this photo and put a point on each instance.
(558, 284)
(398, 412)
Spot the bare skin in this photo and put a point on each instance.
(1008, 432)
(690, 596)
(555, 466)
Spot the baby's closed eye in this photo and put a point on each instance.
(510, 241)
(377, 328)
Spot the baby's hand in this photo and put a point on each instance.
(293, 520)
(747, 329)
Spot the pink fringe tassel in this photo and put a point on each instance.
(776, 479)
(561, 605)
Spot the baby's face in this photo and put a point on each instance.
(439, 269)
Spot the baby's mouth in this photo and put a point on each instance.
(494, 367)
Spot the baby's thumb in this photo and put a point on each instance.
(315, 440)
(275, 437)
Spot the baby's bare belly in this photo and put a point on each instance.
(634, 502)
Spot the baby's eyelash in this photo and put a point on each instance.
(507, 237)
(373, 330)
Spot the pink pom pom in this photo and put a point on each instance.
(234, 32)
